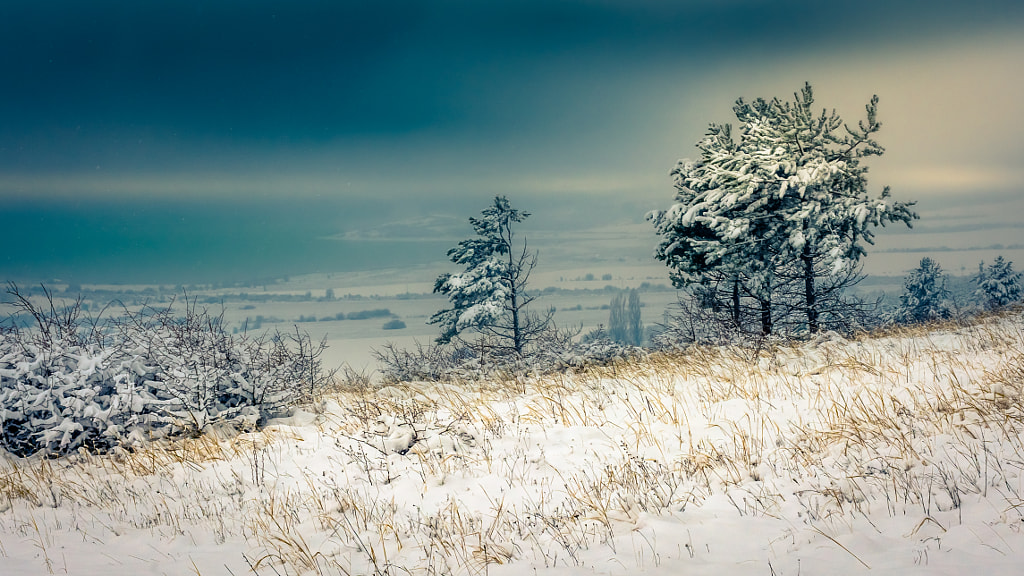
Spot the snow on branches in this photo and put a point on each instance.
(998, 284)
(789, 192)
(69, 383)
(489, 295)
(925, 297)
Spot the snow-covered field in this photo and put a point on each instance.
(899, 454)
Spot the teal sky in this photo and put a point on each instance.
(155, 141)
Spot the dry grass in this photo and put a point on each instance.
(907, 423)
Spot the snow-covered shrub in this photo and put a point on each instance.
(925, 296)
(998, 285)
(66, 385)
(430, 362)
(693, 319)
(199, 373)
(561, 349)
(554, 349)
(58, 397)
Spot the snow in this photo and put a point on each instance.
(791, 186)
(891, 455)
(998, 284)
(479, 294)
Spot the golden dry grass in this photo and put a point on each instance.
(911, 421)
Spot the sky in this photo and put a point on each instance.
(161, 141)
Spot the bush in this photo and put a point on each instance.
(395, 324)
(367, 314)
(553, 350)
(70, 383)
(690, 321)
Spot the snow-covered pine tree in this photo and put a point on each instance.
(701, 231)
(998, 285)
(790, 191)
(925, 296)
(489, 296)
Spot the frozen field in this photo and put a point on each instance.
(580, 295)
(406, 294)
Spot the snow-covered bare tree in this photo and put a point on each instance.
(925, 296)
(490, 295)
(998, 284)
(790, 191)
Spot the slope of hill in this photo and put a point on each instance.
(896, 454)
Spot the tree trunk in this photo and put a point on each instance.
(736, 301)
(810, 296)
(517, 333)
(517, 336)
(766, 317)
(514, 269)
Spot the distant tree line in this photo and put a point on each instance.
(359, 315)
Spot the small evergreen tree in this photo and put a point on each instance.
(998, 285)
(490, 295)
(925, 296)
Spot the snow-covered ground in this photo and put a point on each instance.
(900, 454)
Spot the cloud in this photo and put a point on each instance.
(577, 109)
(954, 180)
(182, 186)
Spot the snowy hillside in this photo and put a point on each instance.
(899, 454)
